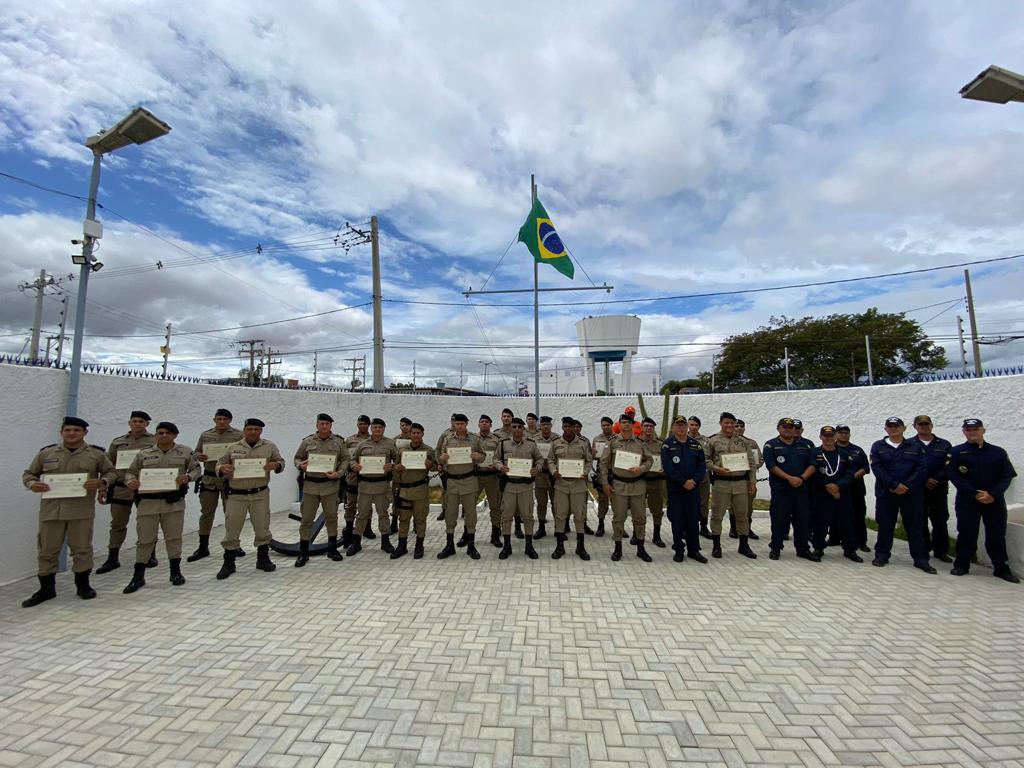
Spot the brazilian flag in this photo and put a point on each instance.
(539, 235)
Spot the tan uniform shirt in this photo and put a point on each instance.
(57, 459)
(213, 436)
(421, 489)
(125, 443)
(654, 448)
(510, 449)
(546, 478)
(457, 484)
(351, 443)
(333, 445)
(622, 482)
(489, 443)
(177, 456)
(264, 449)
(502, 434)
(718, 444)
(577, 448)
(754, 451)
(369, 447)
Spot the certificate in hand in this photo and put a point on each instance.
(321, 463)
(626, 460)
(125, 457)
(250, 469)
(372, 465)
(545, 450)
(414, 459)
(736, 462)
(656, 464)
(214, 451)
(570, 469)
(460, 454)
(64, 486)
(488, 459)
(599, 449)
(519, 467)
(401, 443)
(154, 479)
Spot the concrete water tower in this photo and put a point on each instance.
(608, 339)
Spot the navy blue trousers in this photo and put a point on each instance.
(790, 506)
(910, 507)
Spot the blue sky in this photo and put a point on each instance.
(679, 147)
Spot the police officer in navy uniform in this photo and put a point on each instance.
(790, 464)
(899, 467)
(981, 473)
(685, 465)
(858, 490)
(831, 510)
(936, 488)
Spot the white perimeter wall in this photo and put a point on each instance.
(32, 405)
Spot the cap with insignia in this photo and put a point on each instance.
(378, 422)
(922, 419)
(826, 430)
(223, 412)
(972, 423)
(842, 428)
(679, 420)
(140, 415)
(168, 426)
(798, 424)
(255, 423)
(324, 417)
(785, 421)
(74, 421)
(894, 421)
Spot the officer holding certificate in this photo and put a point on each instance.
(323, 459)
(571, 462)
(520, 462)
(122, 451)
(728, 457)
(67, 475)
(622, 468)
(209, 449)
(414, 463)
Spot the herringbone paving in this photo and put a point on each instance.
(518, 663)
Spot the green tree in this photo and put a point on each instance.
(826, 351)
(673, 386)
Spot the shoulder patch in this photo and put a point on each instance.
(51, 445)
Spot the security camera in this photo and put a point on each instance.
(97, 266)
(76, 242)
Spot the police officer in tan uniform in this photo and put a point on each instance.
(352, 485)
(320, 489)
(413, 494)
(443, 473)
(211, 488)
(374, 486)
(517, 498)
(625, 487)
(544, 487)
(488, 478)
(401, 440)
(165, 508)
(756, 462)
(654, 480)
(248, 496)
(731, 489)
(599, 446)
(120, 497)
(70, 517)
(571, 489)
(462, 490)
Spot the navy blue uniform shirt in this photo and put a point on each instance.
(902, 465)
(792, 459)
(831, 467)
(683, 460)
(936, 457)
(857, 458)
(984, 467)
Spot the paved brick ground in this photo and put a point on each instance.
(546, 663)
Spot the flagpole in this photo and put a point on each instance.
(536, 315)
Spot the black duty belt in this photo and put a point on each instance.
(209, 474)
(381, 479)
(169, 496)
(416, 484)
(460, 476)
(636, 479)
(308, 479)
(520, 480)
(119, 484)
(244, 491)
(480, 472)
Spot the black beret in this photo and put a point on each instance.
(417, 425)
(405, 420)
(694, 418)
(140, 415)
(531, 415)
(649, 420)
(545, 419)
(168, 425)
(460, 417)
(485, 417)
(74, 421)
(324, 417)
(508, 411)
(363, 420)
(726, 415)
(517, 422)
(255, 423)
(378, 422)
(626, 417)
(568, 420)
(607, 420)
(223, 412)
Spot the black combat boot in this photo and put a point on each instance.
(112, 562)
(47, 591)
(541, 531)
(617, 552)
(506, 550)
(401, 549)
(581, 550)
(600, 527)
(559, 546)
(463, 539)
(698, 557)
(303, 557)
(355, 547)
(346, 534)
(641, 552)
(704, 530)
(229, 565)
(263, 561)
(176, 578)
(565, 532)
(138, 579)
(732, 526)
(633, 540)
(368, 531)
(753, 536)
(449, 548)
(385, 543)
(495, 535)
(82, 587)
(152, 562)
(332, 549)
(519, 527)
(716, 546)
(529, 551)
(656, 539)
(471, 549)
(394, 523)
(418, 551)
(203, 550)
(745, 549)
(587, 529)
(239, 552)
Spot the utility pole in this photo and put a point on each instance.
(556, 378)
(973, 320)
(49, 340)
(166, 349)
(853, 367)
(460, 378)
(314, 366)
(251, 351)
(38, 285)
(378, 325)
(271, 362)
(414, 374)
(867, 350)
(960, 336)
(785, 357)
(63, 325)
(357, 363)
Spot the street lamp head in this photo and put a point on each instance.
(996, 85)
(138, 127)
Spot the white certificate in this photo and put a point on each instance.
(65, 486)
(125, 457)
(545, 449)
(401, 443)
(414, 459)
(488, 459)
(372, 465)
(250, 469)
(599, 449)
(215, 451)
(519, 467)
(460, 454)
(158, 479)
(735, 462)
(570, 468)
(321, 463)
(627, 460)
(656, 465)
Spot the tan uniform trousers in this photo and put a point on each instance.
(705, 498)
(120, 515)
(452, 501)
(208, 500)
(373, 495)
(656, 500)
(491, 487)
(730, 496)
(515, 505)
(636, 508)
(545, 497)
(351, 503)
(602, 505)
(574, 504)
(236, 507)
(147, 524)
(310, 504)
(414, 510)
(51, 538)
